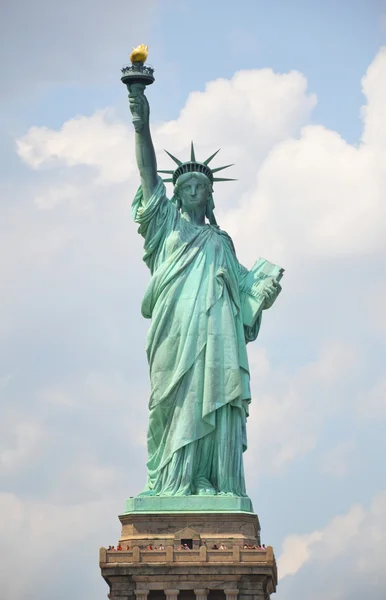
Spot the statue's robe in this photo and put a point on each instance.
(196, 348)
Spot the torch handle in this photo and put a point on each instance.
(137, 89)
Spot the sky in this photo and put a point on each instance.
(294, 95)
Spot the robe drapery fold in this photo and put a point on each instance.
(196, 348)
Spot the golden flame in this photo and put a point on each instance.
(139, 54)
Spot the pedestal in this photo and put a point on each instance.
(157, 568)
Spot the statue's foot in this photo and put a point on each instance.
(228, 494)
(147, 493)
(206, 491)
(205, 488)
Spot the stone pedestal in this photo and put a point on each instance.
(157, 568)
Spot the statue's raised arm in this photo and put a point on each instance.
(136, 77)
(144, 149)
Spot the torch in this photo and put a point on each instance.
(137, 75)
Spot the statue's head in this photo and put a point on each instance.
(193, 183)
(194, 190)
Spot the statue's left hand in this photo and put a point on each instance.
(271, 291)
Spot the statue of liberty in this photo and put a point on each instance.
(204, 308)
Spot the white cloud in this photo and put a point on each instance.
(55, 196)
(70, 475)
(338, 460)
(319, 193)
(107, 145)
(374, 403)
(257, 108)
(5, 380)
(374, 88)
(30, 530)
(313, 190)
(19, 444)
(96, 141)
(295, 406)
(296, 551)
(340, 560)
(375, 303)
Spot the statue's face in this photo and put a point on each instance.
(193, 190)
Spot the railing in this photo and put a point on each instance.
(137, 68)
(202, 555)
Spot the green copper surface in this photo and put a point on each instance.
(181, 504)
(204, 308)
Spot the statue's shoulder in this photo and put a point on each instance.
(225, 237)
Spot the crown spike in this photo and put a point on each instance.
(221, 168)
(223, 179)
(207, 161)
(192, 154)
(176, 160)
(193, 166)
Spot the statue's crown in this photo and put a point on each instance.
(193, 166)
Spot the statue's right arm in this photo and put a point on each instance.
(144, 149)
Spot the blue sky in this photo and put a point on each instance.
(331, 43)
(280, 87)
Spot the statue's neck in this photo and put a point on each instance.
(195, 216)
